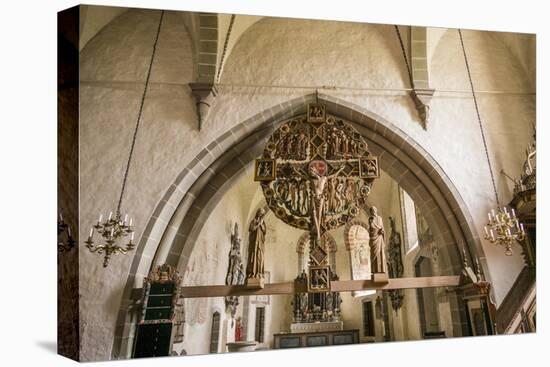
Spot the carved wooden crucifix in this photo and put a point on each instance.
(316, 172)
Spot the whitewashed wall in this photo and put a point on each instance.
(287, 53)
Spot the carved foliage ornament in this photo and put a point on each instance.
(312, 158)
(163, 274)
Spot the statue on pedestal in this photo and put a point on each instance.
(377, 242)
(256, 246)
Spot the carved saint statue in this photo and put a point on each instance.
(394, 252)
(232, 276)
(339, 194)
(235, 273)
(256, 246)
(377, 242)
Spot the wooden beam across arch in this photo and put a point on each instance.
(336, 286)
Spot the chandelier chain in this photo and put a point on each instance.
(479, 118)
(134, 137)
(411, 80)
(225, 46)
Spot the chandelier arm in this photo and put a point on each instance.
(139, 115)
(479, 118)
(404, 55)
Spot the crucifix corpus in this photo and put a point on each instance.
(316, 172)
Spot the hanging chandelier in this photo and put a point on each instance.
(112, 230)
(503, 227)
(115, 229)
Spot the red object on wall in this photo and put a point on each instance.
(238, 330)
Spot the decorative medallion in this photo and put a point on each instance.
(316, 171)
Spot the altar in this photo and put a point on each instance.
(315, 339)
(313, 327)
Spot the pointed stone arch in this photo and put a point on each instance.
(173, 228)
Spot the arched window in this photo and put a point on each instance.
(215, 333)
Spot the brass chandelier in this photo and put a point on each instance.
(115, 228)
(112, 230)
(503, 227)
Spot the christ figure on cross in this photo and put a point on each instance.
(317, 170)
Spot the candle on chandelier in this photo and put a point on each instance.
(110, 215)
(60, 217)
(112, 232)
(521, 226)
(125, 218)
(492, 235)
(513, 213)
(486, 232)
(69, 231)
(100, 218)
(130, 224)
(91, 232)
(132, 237)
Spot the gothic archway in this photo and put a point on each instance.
(187, 203)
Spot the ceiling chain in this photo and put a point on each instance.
(411, 80)
(132, 146)
(479, 118)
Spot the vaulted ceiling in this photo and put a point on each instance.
(215, 35)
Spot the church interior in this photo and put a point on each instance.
(243, 183)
